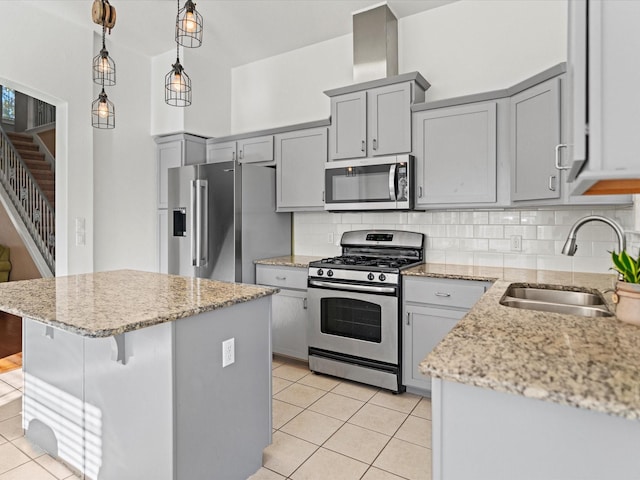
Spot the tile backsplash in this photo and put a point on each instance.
(483, 238)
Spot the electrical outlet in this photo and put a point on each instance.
(330, 237)
(228, 352)
(516, 243)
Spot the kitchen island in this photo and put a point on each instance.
(528, 394)
(124, 375)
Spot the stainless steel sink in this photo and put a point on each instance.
(584, 303)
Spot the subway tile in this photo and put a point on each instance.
(591, 264)
(372, 217)
(552, 232)
(394, 217)
(537, 217)
(420, 218)
(474, 244)
(504, 217)
(445, 243)
(453, 257)
(435, 256)
(527, 232)
(352, 218)
(488, 231)
(474, 218)
(539, 247)
(554, 262)
(460, 231)
(520, 261)
(435, 230)
(568, 217)
(488, 259)
(499, 245)
(446, 218)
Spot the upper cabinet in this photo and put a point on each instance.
(456, 155)
(176, 151)
(604, 120)
(535, 134)
(244, 150)
(300, 160)
(374, 118)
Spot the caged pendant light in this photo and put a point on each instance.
(177, 84)
(104, 68)
(103, 112)
(188, 25)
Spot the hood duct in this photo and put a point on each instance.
(375, 44)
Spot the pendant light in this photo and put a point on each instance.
(188, 25)
(177, 84)
(104, 68)
(103, 112)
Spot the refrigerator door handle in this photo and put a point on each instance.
(194, 223)
(200, 189)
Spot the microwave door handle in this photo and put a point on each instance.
(393, 193)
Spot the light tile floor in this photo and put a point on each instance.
(324, 428)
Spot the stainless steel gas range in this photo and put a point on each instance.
(354, 307)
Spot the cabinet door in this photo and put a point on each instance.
(221, 152)
(389, 119)
(348, 134)
(289, 324)
(456, 155)
(254, 150)
(424, 328)
(300, 161)
(535, 132)
(169, 156)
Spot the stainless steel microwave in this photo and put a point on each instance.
(379, 183)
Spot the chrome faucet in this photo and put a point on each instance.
(570, 246)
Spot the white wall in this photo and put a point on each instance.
(57, 69)
(124, 180)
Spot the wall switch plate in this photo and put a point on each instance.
(516, 243)
(80, 232)
(228, 352)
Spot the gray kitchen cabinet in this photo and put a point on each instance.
(603, 97)
(374, 118)
(456, 155)
(247, 150)
(535, 133)
(348, 137)
(289, 314)
(432, 307)
(163, 246)
(300, 160)
(221, 152)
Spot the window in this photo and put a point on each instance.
(8, 105)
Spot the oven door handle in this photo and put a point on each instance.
(352, 288)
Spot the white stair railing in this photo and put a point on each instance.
(32, 206)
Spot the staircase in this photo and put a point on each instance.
(35, 161)
(27, 192)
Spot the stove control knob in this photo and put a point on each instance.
(329, 273)
(382, 277)
(320, 272)
(371, 277)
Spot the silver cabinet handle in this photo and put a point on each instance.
(408, 318)
(280, 278)
(419, 192)
(363, 145)
(558, 166)
(241, 155)
(442, 294)
(304, 303)
(194, 223)
(375, 144)
(233, 156)
(323, 195)
(552, 183)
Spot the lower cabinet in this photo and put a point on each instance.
(432, 307)
(289, 314)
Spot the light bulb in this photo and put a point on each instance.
(103, 65)
(103, 109)
(176, 83)
(189, 23)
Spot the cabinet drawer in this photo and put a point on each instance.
(453, 293)
(256, 150)
(284, 277)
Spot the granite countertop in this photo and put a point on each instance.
(300, 261)
(590, 363)
(110, 303)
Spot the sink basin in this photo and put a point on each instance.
(584, 303)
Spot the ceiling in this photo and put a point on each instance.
(242, 31)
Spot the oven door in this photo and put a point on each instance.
(361, 324)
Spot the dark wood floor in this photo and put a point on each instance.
(10, 334)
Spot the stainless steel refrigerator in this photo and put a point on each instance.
(221, 218)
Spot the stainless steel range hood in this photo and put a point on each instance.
(375, 44)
